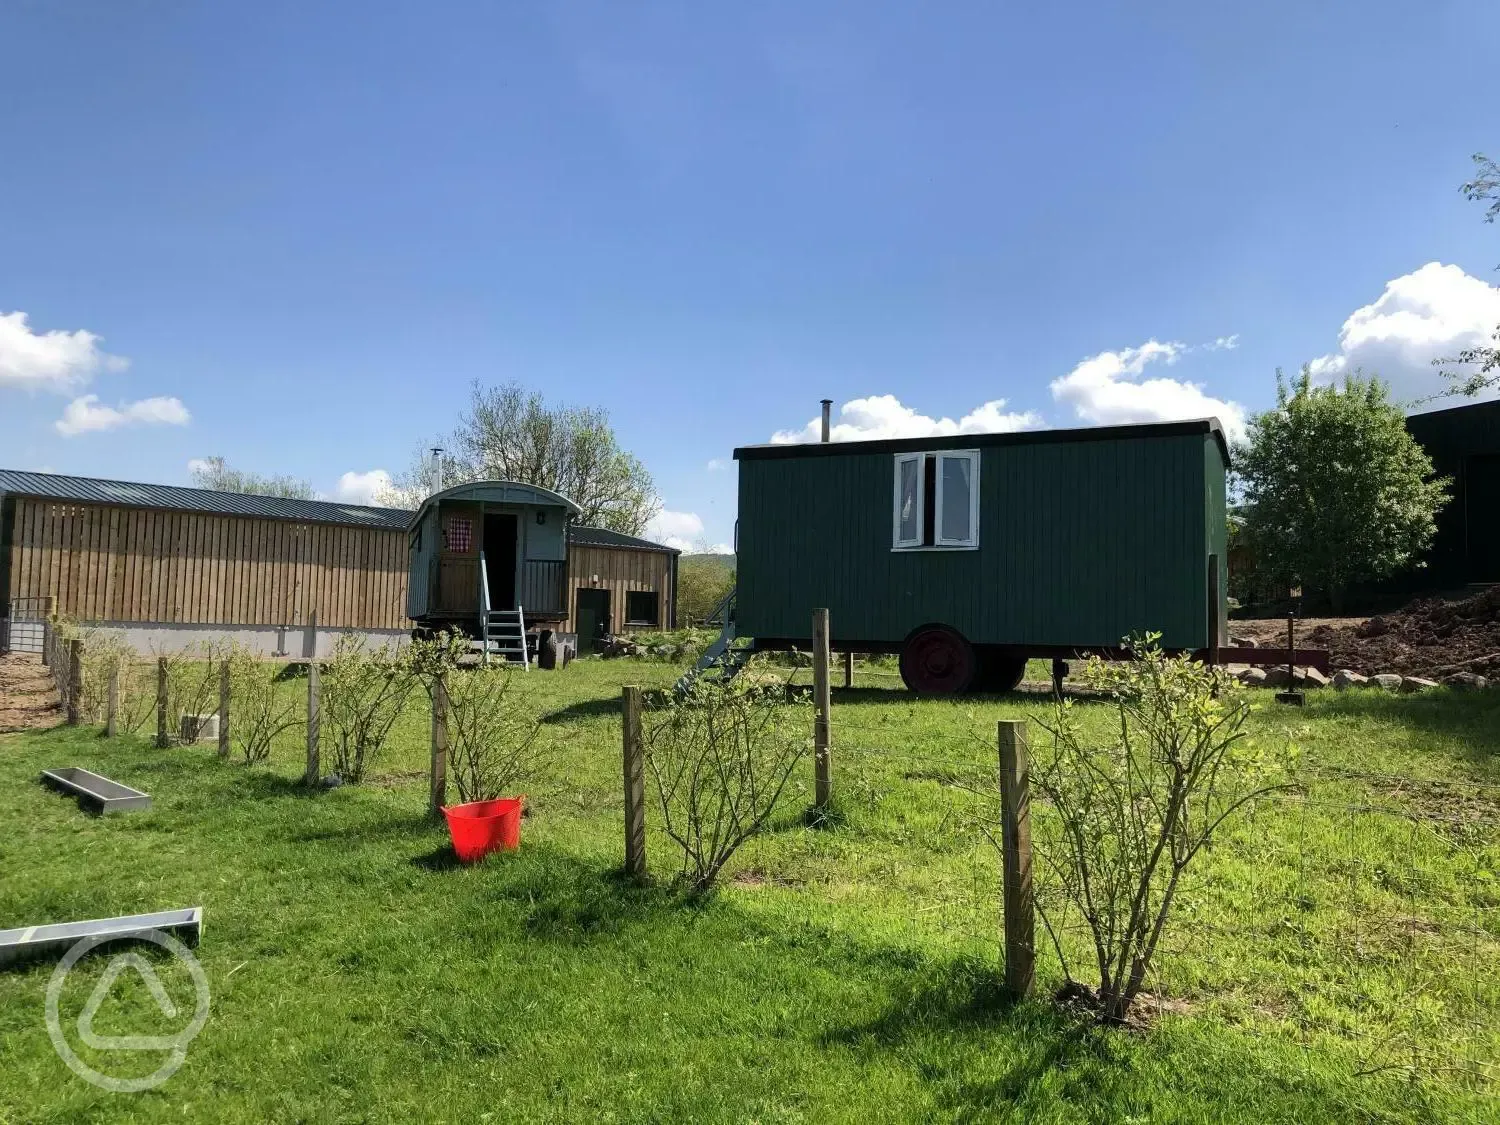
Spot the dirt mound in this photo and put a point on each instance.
(27, 697)
(1430, 638)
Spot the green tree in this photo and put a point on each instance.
(510, 433)
(702, 582)
(1334, 489)
(213, 473)
(1478, 368)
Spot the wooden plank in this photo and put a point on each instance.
(437, 795)
(162, 738)
(822, 706)
(1015, 829)
(115, 561)
(224, 709)
(634, 763)
(312, 774)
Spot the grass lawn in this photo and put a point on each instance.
(851, 973)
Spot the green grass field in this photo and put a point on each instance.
(1335, 958)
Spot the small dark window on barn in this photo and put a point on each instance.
(936, 500)
(642, 607)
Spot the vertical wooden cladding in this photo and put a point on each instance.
(620, 570)
(106, 563)
(1080, 543)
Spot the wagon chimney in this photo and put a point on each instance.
(827, 406)
(437, 466)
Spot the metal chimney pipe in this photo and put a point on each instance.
(827, 407)
(437, 464)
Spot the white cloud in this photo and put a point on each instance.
(361, 488)
(52, 361)
(1428, 314)
(87, 414)
(684, 531)
(885, 416)
(1223, 344)
(1103, 390)
(717, 464)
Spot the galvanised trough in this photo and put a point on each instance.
(96, 794)
(30, 942)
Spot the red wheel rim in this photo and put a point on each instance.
(937, 660)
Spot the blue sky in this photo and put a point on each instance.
(291, 234)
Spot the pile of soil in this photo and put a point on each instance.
(1430, 637)
(28, 700)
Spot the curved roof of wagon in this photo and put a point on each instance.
(498, 492)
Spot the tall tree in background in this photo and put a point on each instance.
(1335, 490)
(510, 433)
(213, 473)
(1480, 366)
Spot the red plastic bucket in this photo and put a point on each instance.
(481, 827)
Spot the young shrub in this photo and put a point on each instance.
(492, 734)
(1132, 812)
(718, 759)
(192, 682)
(363, 692)
(260, 710)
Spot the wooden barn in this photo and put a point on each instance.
(168, 566)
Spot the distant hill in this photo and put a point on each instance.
(726, 561)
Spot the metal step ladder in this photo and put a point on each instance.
(724, 655)
(501, 631)
(503, 634)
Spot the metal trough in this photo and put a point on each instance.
(48, 941)
(95, 793)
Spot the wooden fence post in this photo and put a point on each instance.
(112, 701)
(223, 708)
(1015, 826)
(47, 643)
(74, 699)
(438, 793)
(822, 704)
(163, 740)
(848, 669)
(635, 784)
(314, 771)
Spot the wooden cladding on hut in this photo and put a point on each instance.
(120, 564)
(623, 572)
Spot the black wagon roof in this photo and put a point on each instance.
(171, 497)
(981, 441)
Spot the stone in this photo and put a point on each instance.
(1276, 676)
(1241, 642)
(1466, 681)
(200, 728)
(1388, 680)
(1311, 677)
(1252, 677)
(1410, 684)
(1344, 678)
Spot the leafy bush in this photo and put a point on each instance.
(260, 712)
(719, 759)
(363, 692)
(492, 733)
(1130, 815)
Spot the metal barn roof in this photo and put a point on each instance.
(602, 537)
(89, 490)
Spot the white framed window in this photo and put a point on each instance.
(936, 500)
(909, 510)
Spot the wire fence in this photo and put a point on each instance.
(23, 625)
(1351, 916)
